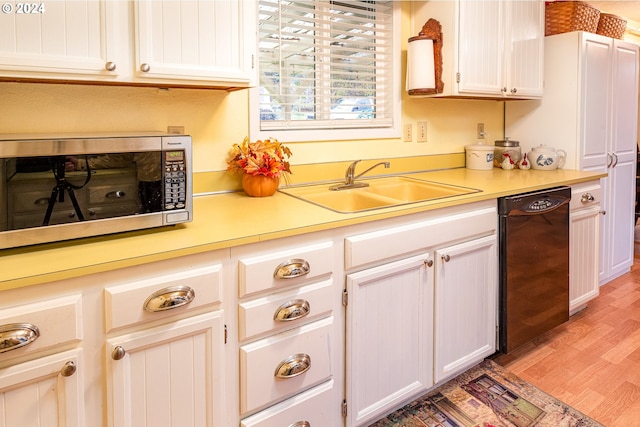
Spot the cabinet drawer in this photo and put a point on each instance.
(313, 406)
(125, 304)
(260, 315)
(585, 195)
(259, 273)
(260, 360)
(58, 321)
(395, 241)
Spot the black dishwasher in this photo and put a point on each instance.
(534, 265)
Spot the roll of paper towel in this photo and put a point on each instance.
(420, 65)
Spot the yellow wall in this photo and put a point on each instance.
(217, 119)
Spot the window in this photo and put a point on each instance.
(327, 65)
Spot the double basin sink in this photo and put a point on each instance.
(379, 193)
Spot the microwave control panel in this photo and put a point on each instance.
(175, 180)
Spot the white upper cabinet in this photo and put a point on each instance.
(161, 42)
(62, 39)
(491, 49)
(198, 40)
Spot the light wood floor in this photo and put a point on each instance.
(592, 362)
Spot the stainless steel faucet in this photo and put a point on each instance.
(350, 177)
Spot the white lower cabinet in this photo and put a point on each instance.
(334, 328)
(47, 391)
(168, 376)
(289, 332)
(466, 305)
(421, 305)
(165, 348)
(41, 365)
(584, 244)
(389, 337)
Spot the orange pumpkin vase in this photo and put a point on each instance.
(260, 185)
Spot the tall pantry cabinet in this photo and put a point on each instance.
(590, 110)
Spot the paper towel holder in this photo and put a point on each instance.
(431, 30)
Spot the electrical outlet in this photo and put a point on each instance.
(481, 133)
(422, 131)
(408, 132)
(178, 130)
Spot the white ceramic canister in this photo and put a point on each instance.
(479, 156)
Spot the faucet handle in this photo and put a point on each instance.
(350, 172)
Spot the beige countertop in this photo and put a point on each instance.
(233, 219)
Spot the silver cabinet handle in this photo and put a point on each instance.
(514, 90)
(118, 353)
(292, 310)
(603, 212)
(42, 201)
(68, 369)
(587, 197)
(145, 68)
(291, 269)
(446, 258)
(16, 335)
(615, 160)
(118, 194)
(110, 66)
(293, 366)
(428, 263)
(169, 298)
(301, 424)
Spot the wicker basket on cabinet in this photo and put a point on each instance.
(611, 25)
(565, 16)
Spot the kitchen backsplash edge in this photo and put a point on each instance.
(221, 181)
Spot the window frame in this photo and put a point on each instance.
(358, 132)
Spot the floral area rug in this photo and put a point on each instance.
(487, 396)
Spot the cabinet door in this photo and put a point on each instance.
(620, 189)
(168, 376)
(202, 40)
(481, 48)
(465, 306)
(43, 392)
(595, 103)
(389, 337)
(60, 39)
(525, 48)
(584, 253)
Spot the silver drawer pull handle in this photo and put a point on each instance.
(118, 194)
(301, 424)
(168, 298)
(42, 201)
(293, 366)
(291, 269)
(292, 310)
(118, 353)
(587, 197)
(16, 335)
(446, 258)
(68, 369)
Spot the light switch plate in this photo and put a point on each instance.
(408, 133)
(422, 131)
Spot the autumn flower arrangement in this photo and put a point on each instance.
(268, 158)
(261, 164)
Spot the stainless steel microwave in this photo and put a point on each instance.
(70, 186)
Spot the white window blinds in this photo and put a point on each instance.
(325, 64)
